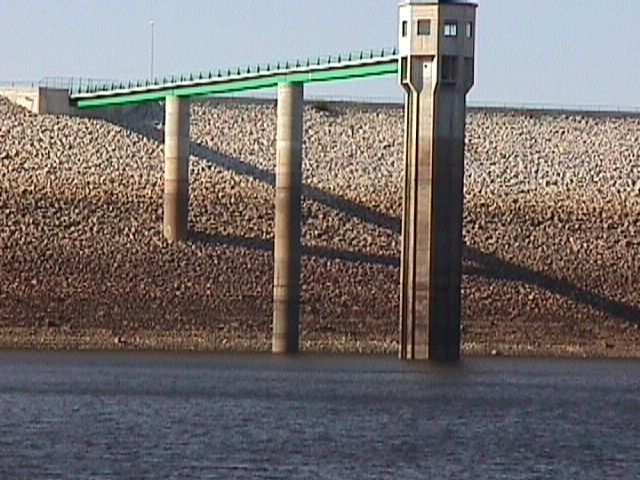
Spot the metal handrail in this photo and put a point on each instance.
(261, 68)
(65, 83)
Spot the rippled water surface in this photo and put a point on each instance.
(103, 416)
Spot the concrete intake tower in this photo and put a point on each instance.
(436, 47)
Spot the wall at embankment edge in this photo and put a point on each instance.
(42, 100)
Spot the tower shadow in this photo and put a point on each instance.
(492, 267)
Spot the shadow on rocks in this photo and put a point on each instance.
(144, 120)
(141, 120)
(258, 244)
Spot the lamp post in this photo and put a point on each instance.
(152, 24)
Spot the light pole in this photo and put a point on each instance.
(152, 24)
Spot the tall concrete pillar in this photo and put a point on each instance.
(436, 70)
(287, 250)
(176, 169)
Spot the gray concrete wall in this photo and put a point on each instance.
(54, 101)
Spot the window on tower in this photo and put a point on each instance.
(405, 26)
(450, 28)
(469, 29)
(424, 27)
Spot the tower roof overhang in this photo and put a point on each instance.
(437, 2)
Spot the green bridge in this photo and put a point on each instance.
(361, 64)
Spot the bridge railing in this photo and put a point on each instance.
(264, 68)
(71, 84)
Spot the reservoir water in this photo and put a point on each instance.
(108, 416)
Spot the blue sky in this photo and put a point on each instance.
(568, 52)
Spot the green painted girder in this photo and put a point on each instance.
(238, 83)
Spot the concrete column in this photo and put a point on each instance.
(176, 169)
(432, 221)
(287, 250)
(436, 71)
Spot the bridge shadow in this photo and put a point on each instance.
(259, 244)
(142, 125)
(476, 262)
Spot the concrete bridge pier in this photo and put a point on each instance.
(176, 169)
(287, 247)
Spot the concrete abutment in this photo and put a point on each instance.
(41, 100)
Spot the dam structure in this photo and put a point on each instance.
(434, 64)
